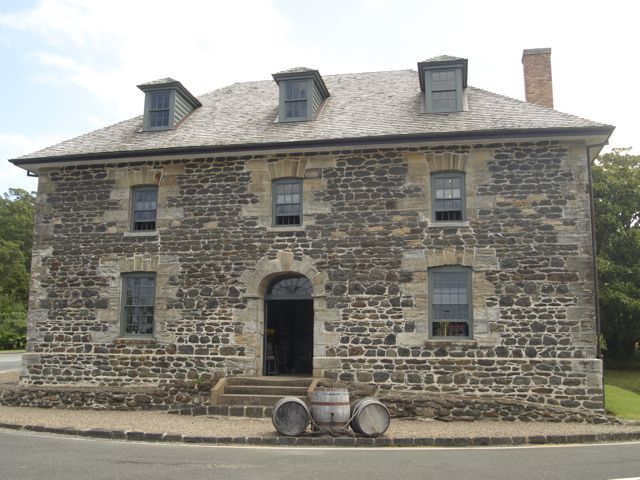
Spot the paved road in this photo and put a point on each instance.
(10, 361)
(26, 456)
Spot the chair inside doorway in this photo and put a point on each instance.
(289, 327)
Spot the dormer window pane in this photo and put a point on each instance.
(296, 99)
(444, 101)
(159, 119)
(159, 109)
(160, 101)
(296, 109)
(443, 89)
(443, 80)
(296, 90)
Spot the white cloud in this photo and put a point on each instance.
(109, 47)
(379, 6)
(13, 145)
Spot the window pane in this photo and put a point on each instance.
(443, 80)
(450, 329)
(159, 118)
(145, 206)
(288, 205)
(296, 109)
(160, 101)
(296, 91)
(445, 101)
(450, 303)
(448, 202)
(139, 302)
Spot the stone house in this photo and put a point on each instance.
(398, 229)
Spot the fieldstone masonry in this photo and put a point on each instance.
(366, 243)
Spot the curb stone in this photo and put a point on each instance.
(453, 442)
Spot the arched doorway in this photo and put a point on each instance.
(288, 338)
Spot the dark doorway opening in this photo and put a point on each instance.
(289, 327)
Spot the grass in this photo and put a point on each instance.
(622, 403)
(622, 393)
(627, 379)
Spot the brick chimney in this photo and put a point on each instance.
(538, 86)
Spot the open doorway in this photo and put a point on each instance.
(289, 327)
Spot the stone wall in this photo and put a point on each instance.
(366, 243)
(178, 395)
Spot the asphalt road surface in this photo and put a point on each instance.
(25, 456)
(10, 361)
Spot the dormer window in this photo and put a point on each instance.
(167, 103)
(296, 100)
(443, 80)
(302, 92)
(159, 109)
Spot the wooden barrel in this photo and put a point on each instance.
(370, 417)
(290, 416)
(330, 407)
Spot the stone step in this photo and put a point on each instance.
(269, 381)
(282, 390)
(254, 400)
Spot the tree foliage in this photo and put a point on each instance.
(616, 196)
(16, 240)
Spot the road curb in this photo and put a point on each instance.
(328, 441)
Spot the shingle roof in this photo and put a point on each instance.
(361, 106)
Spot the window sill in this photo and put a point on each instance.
(153, 233)
(451, 342)
(136, 340)
(287, 228)
(464, 224)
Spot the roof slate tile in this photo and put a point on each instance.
(362, 105)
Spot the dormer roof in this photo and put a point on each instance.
(302, 72)
(442, 61)
(169, 83)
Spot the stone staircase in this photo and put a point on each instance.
(255, 396)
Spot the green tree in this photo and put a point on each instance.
(16, 240)
(616, 195)
(17, 210)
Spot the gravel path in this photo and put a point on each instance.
(162, 422)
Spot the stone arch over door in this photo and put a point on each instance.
(256, 283)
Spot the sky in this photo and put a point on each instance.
(72, 66)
